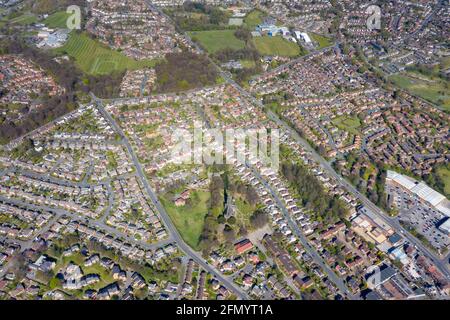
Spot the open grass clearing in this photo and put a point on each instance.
(189, 219)
(348, 123)
(276, 46)
(434, 90)
(97, 59)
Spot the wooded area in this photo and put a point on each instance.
(184, 71)
(325, 208)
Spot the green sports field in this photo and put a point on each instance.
(276, 46)
(97, 59)
(215, 40)
(57, 20)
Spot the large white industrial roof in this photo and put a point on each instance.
(426, 193)
(421, 190)
(405, 181)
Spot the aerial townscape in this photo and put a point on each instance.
(96, 205)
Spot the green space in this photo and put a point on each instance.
(321, 40)
(444, 174)
(347, 123)
(445, 62)
(248, 63)
(215, 40)
(189, 219)
(435, 91)
(26, 18)
(57, 20)
(254, 18)
(13, 220)
(276, 46)
(97, 59)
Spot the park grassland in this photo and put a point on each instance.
(348, 123)
(189, 219)
(276, 46)
(254, 18)
(321, 40)
(215, 40)
(434, 91)
(444, 174)
(94, 58)
(25, 19)
(57, 20)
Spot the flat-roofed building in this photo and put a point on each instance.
(420, 190)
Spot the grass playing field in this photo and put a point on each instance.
(26, 18)
(189, 219)
(57, 20)
(276, 46)
(215, 40)
(97, 59)
(347, 123)
(436, 91)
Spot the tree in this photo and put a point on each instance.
(231, 220)
(243, 34)
(326, 208)
(229, 234)
(259, 219)
(243, 231)
(221, 219)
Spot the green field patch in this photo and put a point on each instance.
(444, 174)
(434, 91)
(247, 63)
(321, 40)
(347, 123)
(97, 59)
(215, 40)
(189, 219)
(27, 18)
(254, 18)
(276, 46)
(243, 212)
(57, 20)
